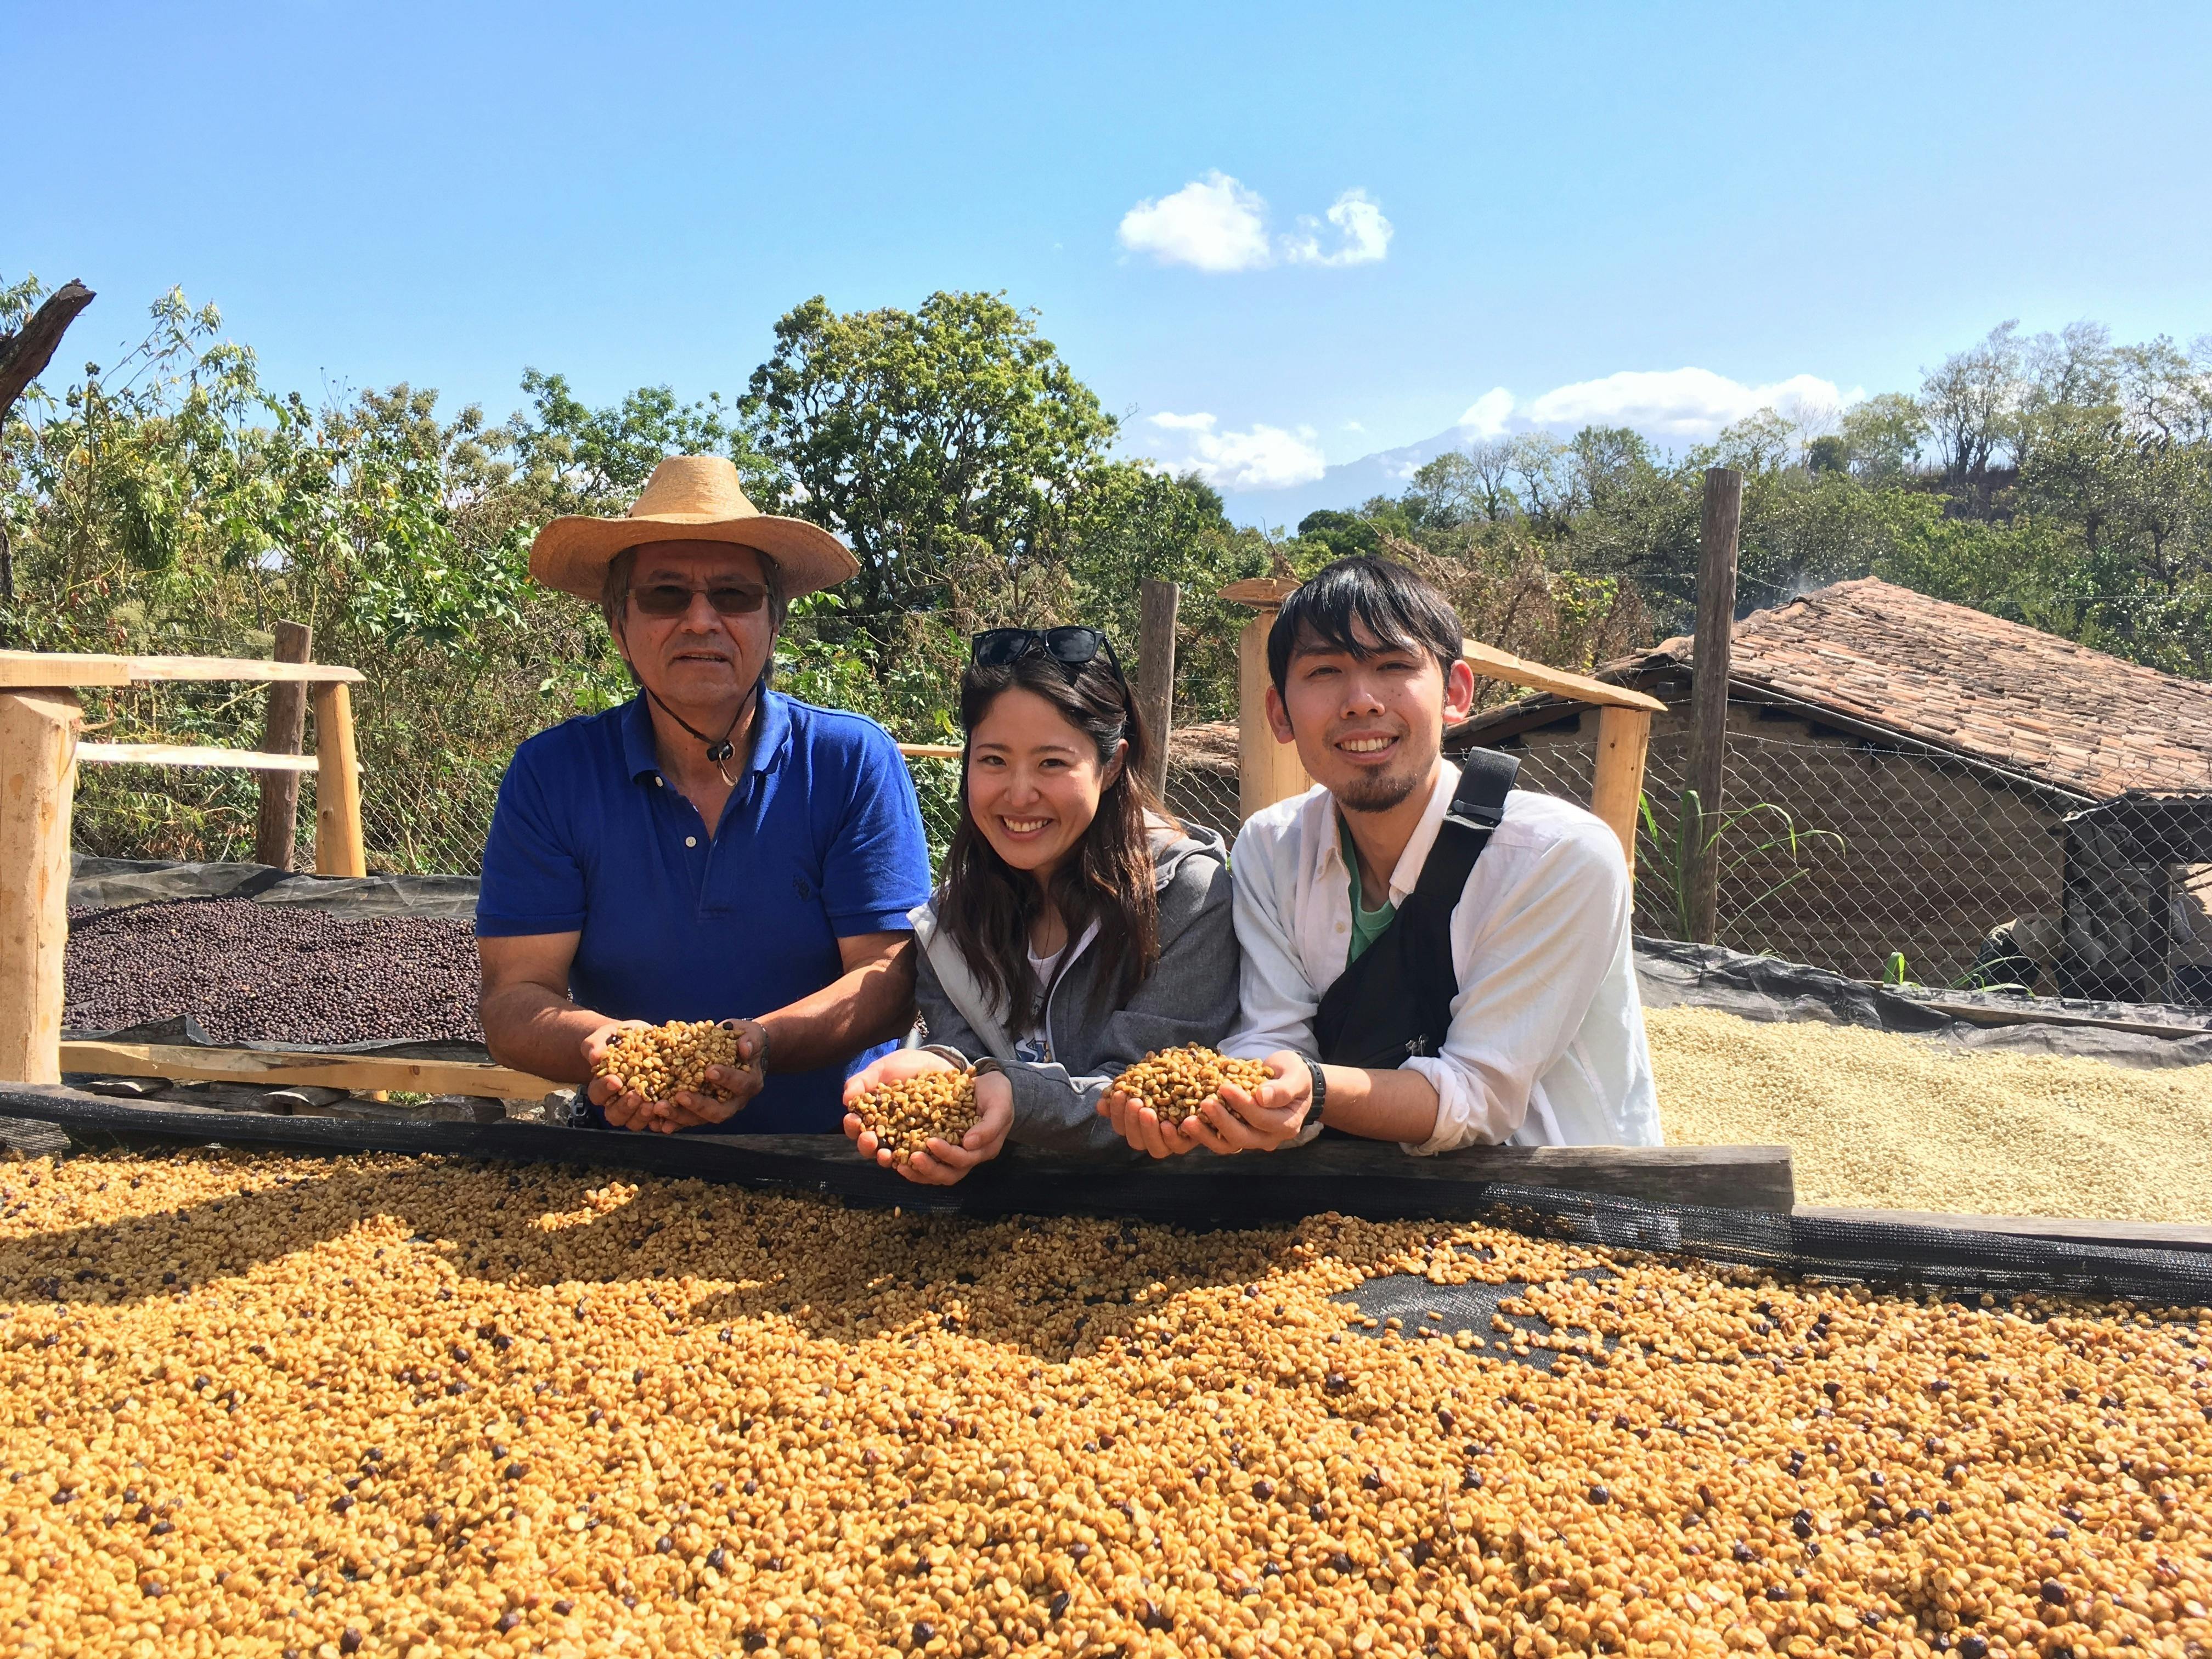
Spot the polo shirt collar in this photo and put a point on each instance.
(771, 742)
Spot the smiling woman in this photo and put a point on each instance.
(1078, 927)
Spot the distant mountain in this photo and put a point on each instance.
(1385, 472)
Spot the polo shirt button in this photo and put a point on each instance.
(657, 782)
(693, 840)
(1339, 926)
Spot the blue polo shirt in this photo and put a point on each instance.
(821, 840)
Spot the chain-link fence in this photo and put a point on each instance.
(1895, 861)
(419, 813)
(1876, 861)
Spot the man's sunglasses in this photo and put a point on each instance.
(1071, 647)
(668, 599)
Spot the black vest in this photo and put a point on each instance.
(1396, 1001)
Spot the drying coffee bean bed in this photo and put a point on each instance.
(378, 1405)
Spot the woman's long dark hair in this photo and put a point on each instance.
(988, 906)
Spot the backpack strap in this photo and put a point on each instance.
(1478, 806)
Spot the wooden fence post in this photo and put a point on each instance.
(1156, 651)
(38, 780)
(276, 828)
(1266, 771)
(338, 848)
(1709, 693)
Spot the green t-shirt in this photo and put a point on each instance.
(1367, 925)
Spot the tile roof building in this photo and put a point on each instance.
(1946, 757)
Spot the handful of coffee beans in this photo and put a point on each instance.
(903, 1117)
(1175, 1082)
(657, 1061)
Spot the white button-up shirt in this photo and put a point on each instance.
(1546, 1046)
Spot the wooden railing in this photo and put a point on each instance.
(40, 720)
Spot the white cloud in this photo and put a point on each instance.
(1688, 404)
(1215, 224)
(1265, 458)
(1366, 233)
(1486, 415)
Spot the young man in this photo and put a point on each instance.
(1427, 957)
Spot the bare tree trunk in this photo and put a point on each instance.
(25, 353)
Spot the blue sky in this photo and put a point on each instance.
(1528, 198)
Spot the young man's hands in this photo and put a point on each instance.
(625, 1109)
(1235, 1121)
(939, 1163)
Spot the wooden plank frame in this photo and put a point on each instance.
(1268, 771)
(355, 1072)
(40, 720)
(187, 754)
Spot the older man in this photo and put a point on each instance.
(711, 849)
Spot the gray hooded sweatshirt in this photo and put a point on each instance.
(1190, 996)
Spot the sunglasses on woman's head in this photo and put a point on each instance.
(1071, 647)
(670, 599)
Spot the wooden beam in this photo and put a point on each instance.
(1158, 603)
(24, 669)
(187, 754)
(1709, 694)
(25, 353)
(276, 816)
(338, 847)
(352, 1073)
(151, 670)
(1262, 593)
(1490, 663)
(28, 670)
(1623, 739)
(930, 750)
(38, 782)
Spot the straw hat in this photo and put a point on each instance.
(689, 498)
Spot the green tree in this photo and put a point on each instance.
(948, 445)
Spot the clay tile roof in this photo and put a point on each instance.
(1884, 656)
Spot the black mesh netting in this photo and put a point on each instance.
(1347, 1178)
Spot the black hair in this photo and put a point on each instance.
(1398, 611)
(987, 905)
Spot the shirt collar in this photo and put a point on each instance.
(1407, 874)
(771, 739)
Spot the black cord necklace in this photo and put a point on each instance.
(719, 750)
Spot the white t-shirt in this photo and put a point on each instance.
(1546, 1047)
(1030, 1045)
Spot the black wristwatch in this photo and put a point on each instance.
(1320, 1089)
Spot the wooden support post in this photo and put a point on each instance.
(37, 779)
(338, 848)
(1709, 693)
(277, 827)
(1624, 737)
(1266, 771)
(1155, 652)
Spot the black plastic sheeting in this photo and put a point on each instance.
(1347, 1179)
(111, 884)
(1673, 974)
